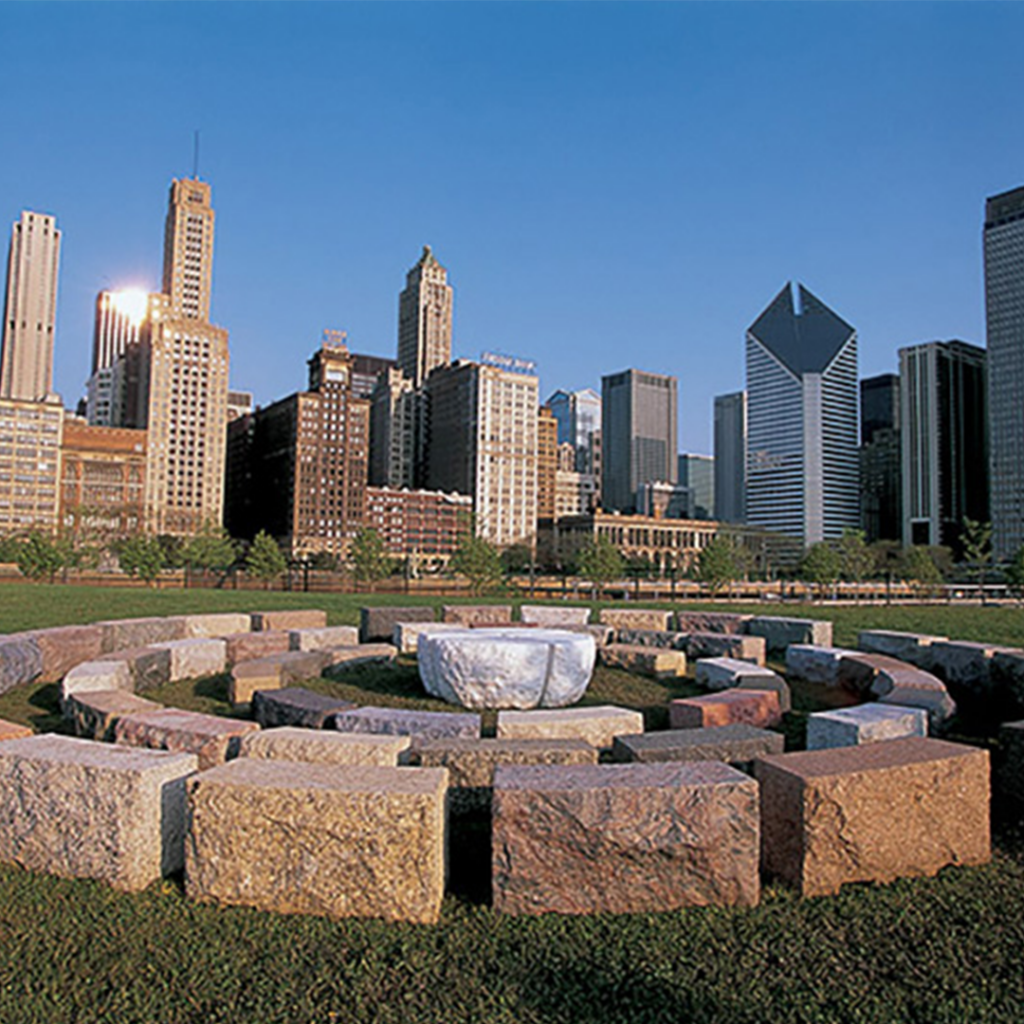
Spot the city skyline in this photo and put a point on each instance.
(607, 207)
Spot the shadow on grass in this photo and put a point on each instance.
(50, 719)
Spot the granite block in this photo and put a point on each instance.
(759, 708)
(725, 645)
(598, 725)
(149, 667)
(554, 616)
(318, 639)
(96, 675)
(780, 632)
(730, 673)
(211, 738)
(94, 713)
(64, 647)
(273, 673)
(13, 730)
(420, 725)
(477, 614)
(216, 625)
(295, 706)
(635, 618)
(710, 622)
(737, 745)
(195, 658)
(296, 618)
(317, 746)
(21, 661)
(128, 634)
(241, 647)
(656, 662)
(866, 723)
(378, 624)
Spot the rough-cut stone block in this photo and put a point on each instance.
(725, 645)
(759, 708)
(652, 638)
(872, 813)
(866, 723)
(471, 764)
(1009, 777)
(554, 616)
(13, 730)
(273, 673)
(372, 839)
(914, 648)
(150, 667)
(96, 675)
(420, 725)
(739, 745)
(241, 647)
(212, 739)
(338, 660)
(1007, 673)
(316, 746)
(623, 838)
(406, 635)
(729, 673)
(822, 665)
(477, 614)
(603, 635)
(295, 706)
(656, 662)
(318, 639)
(779, 633)
(94, 713)
(216, 625)
(964, 665)
(711, 622)
(81, 809)
(21, 661)
(635, 618)
(127, 634)
(192, 659)
(378, 624)
(597, 725)
(64, 647)
(296, 618)
(506, 668)
(938, 704)
(880, 675)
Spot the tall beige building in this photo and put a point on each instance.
(26, 361)
(188, 249)
(425, 319)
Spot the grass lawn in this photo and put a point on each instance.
(946, 949)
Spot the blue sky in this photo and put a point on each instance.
(609, 185)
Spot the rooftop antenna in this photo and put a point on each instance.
(195, 156)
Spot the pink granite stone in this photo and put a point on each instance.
(759, 708)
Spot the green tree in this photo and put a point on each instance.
(918, 565)
(264, 560)
(717, 564)
(478, 560)
(210, 549)
(821, 565)
(9, 547)
(142, 556)
(858, 560)
(600, 562)
(173, 548)
(39, 556)
(368, 557)
(516, 558)
(976, 539)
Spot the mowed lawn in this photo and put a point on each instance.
(946, 949)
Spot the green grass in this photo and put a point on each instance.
(935, 951)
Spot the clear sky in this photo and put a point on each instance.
(609, 185)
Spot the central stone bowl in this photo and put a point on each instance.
(507, 668)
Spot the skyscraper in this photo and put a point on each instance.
(119, 315)
(697, 474)
(424, 319)
(579, 423)
(802, 461)
(188, 249)
(943, 428)
(30, 311)
(1004, 318)
(881, 487)
(638, 434)
(731, 457)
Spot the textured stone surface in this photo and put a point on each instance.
(241, 647)
(965, 666)
(597, 725)
(1009, 776)
(866, 723)
(635, 618)
(96, 675)
(295, 706)
(317, 639)
(406, 635)
(626, 838)
(822, 665)
(212, 739)
(216, 625)
(296, 618)
(149, 667)
(730, 673)
(506, 668)
(317, 746)
(94, 713)
(471, 764)
(938, 704)
(81, 809)
(724, 645)
(647, 661)
(338, 660)
(739, 745)
(477, 614)
(272, 673)
(652, 638)
(372, 839)
(914, 648)
(872, 813)
(711, 622)
(21, 661)
(779, 632)
(1007, 673)
(554, 616)
(759, 708)
(127, 634)
(879, 674)
(420, 725)
(378, 624)
(64, 647)
(602, 635)
(195, 658)
(13, 730)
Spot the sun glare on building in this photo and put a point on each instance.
(131, 303)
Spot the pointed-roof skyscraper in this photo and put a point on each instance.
(802, 461)
(425, 319)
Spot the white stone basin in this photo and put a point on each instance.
(507, 668)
